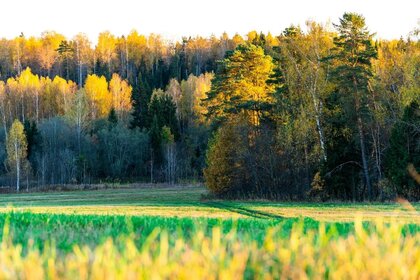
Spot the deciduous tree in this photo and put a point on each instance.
(17, 150)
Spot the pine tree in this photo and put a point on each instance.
(353, 69)
(241, 86)
(241, 98)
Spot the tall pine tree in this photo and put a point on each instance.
(352, 60)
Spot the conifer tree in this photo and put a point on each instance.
(155, 136)
(241, 85)
(140, 101)
(353, 69)
(112, 117)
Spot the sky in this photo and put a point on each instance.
(175, 18)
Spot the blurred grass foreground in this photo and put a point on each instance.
(383, 250)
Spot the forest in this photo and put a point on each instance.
(322, 112)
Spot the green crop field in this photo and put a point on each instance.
(172, 232)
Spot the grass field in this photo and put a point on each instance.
(187, 202)
(170, 232)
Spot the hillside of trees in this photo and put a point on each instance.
(326, 113)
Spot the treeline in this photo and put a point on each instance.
(56, 133)
(322, 114)
(136, 58)
(325, 115)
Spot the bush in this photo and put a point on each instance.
(317, 191)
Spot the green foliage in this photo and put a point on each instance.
(341, 170)
(140, 99)
(32, 137)
(93, 230)
(155, 135)
(112, 117)
(167, 135)
(405, 149)
(122, 152)
(352, 71)
(164, 109)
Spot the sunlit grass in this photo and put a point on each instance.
(187, 202)
(339, 213)
(128, 210)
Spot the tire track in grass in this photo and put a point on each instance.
(243, 211)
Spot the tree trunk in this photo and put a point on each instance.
(80, 66)
(17, 167)
(4, 119)
(364, 157)
(151, 167)
(362, 138)
(37, 106)
(19, 65)
(23, 109)
(126, 60)
(318, 112)
(80, 75)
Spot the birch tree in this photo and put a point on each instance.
(17, 150)
(79, 114)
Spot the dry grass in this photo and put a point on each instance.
(345, 214)
(129, 210)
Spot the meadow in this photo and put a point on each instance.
(172, 232)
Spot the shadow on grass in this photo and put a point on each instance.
(243, 211)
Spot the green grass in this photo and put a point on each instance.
(105, 247)
(89, 217)
(186, 202)
(66, 231)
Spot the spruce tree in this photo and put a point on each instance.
(112, 117)
(155, 136)
(140, 100)
(32, 136)
(163, 107)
